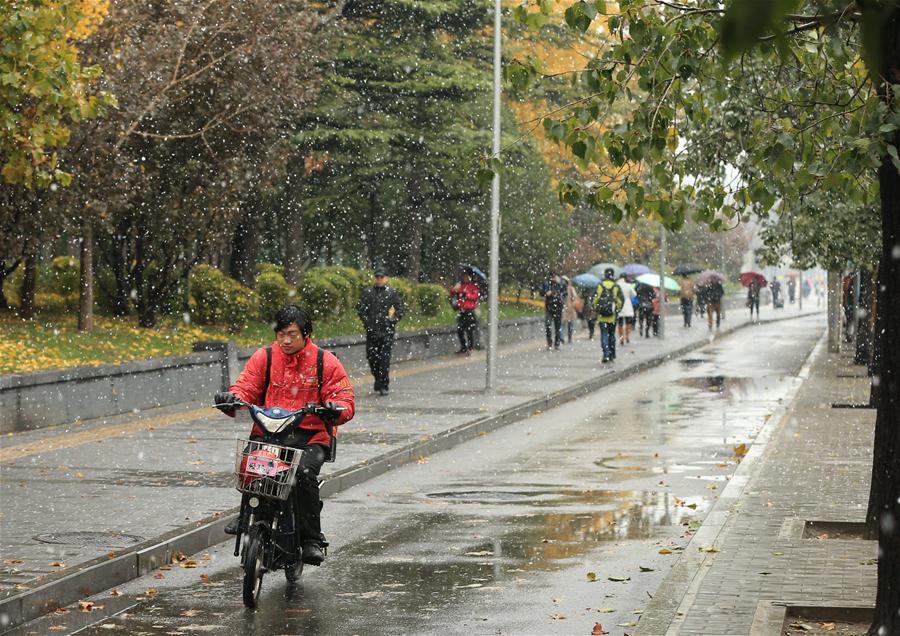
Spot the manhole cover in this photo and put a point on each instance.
(104, 539)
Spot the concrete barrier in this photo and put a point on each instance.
(35, 400)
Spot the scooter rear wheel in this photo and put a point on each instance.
(253, 566)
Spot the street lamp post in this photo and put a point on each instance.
(662, 283)
(494, 273)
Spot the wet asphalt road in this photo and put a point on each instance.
(500, 535)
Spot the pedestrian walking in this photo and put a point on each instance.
(569, 313)
(645, 309)
(792, 289)
(380, 308)
(588, 312)
(626, 315)
(753, 298)
(687, 299)
(657, 305)
(777, 300)
(608, 302)
(464, 297)
(714, 294)
(553, 292)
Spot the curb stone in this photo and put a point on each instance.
(91, 577)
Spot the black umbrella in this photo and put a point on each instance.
(687, 270)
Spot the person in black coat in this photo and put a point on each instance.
(380, 309)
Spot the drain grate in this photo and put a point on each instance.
(103, 539)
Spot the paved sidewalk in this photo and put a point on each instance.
(815, 466)
(89, 493)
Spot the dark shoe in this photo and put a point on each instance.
(382, 391)
(232, 528)
(313, 554)
(462, 352)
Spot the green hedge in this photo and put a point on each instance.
(266, 268)
(431, 298)
(407, 292)
(319, 296)
(273, 292)
(220, 300)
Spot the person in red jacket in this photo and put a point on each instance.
(464, 297)
(293, 383)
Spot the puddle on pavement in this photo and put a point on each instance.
(731, 387)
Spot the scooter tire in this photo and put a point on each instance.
(253, 567)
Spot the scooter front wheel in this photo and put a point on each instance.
(253, 566)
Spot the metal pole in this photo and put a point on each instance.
(662, 283)
(800, 290)
(494, 274)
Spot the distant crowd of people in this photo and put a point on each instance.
(617, 304)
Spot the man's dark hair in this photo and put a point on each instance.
(294, 313)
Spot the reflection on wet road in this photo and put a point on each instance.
(504, 534)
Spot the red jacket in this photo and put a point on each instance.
(293, 383)
(467, 296)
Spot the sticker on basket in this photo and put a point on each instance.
(261, 466)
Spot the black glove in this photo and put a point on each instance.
(225, 400)
(331, 412)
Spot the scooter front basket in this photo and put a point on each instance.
(265, 470)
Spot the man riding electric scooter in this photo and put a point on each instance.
(291, 373)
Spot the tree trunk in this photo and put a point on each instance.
(86, 280)
(6, 270)
(834, 312)
(414, 255)
(244, 243)
(117, 256)
(146, 310)
(884, 497)
(863, 311)
(294, 250)
(371, 245)
(29, 280)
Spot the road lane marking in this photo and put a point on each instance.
(68, 440)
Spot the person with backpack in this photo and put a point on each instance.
(645, 309)
(380, 308)
(608, 303)
(290, 373)
(554, 292)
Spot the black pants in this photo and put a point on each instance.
(645, 320)
(751, 303)
(466, 323)
(590, 325)
(552, 322)
(687, 310)
(378, 353)
(305, 496)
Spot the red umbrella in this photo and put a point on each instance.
(747, 277)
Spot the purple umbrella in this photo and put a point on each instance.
(635, 269)
(708, 277)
